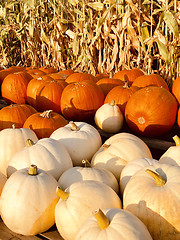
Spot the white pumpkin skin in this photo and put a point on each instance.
(47, 153)
(118, 150)
(123, 225)
(171, 156)
(81, 144)
(84, 197)
(131, 168)
(28, 202)
(109, 118)
(3, 180)
(157, 206)
(11, 141)
(76, 174)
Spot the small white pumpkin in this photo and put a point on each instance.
(113, 224)
(81, 139)
(109, 118)
(78, 201)
(28, 201)
(86, 172)
(47, 153)
(12, 140)
(118, 150)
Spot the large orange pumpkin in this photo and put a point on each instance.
(107, 84)
(151, 111)
(14, 87)
(48, 70)
(80, 76)
(176, 89)
(4, 73)
(150, 80)
(129, 75)
(35, 72)
(45, 123)
(15, 114)
(79, 101)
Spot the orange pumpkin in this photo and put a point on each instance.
(106, 84)
(79, 101)
(121, 95)
(58, 75)
(129, 75)
(100, 76)
(176, 89)
(150, 80)
(15, 114)
(151, 111)
(4, 73)
(80, 76)
(14, 87)
(35, 72)
(48, 70)
(45, 123)
(67, 71)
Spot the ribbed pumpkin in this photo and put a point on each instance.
(176, 89)
(129, 75)
(35, 72)
(15, 114)
(79, 101)
(151, 111)
(107, 84)
(48, 70)
(14, 87)
(80, 76)
(121, 94)
(67, 71)
(44, 124)
(150, 80)
(4, 73)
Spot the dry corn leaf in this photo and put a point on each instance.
(163, 50)
(98, 6)
(171, 23)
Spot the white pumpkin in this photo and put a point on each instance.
(12, 140)
(3, 180)
(118, 150)
(113, 224)
(131, 168)
(78, 173)
(153, 195)
(109, 118)
(47, 153)
(28, 201)
(81, 139)
(78, 201)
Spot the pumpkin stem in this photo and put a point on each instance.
(126, 84)
(86, 163)
(106, 146)
(46, 114)
(74, 127)
(177, 140)
(14, 126)
(29, 143)
(112, 102)
(159, 180)
(33, 170)
(101, 218)
(62, 194)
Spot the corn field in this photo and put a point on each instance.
(102, 36)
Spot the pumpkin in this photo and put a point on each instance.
(79, 101)
(178, 117)
(12, 140)
(109, 118)
(81, 140)
(100, 76)
(4, 73)
(121, 95)
(28, 201)
(45, 123)
(112, 223)
(86, 172)
(14, 87)
(78, 201)
(128, 75)
(47, 153)
(67, 71)
(48, 70)
(118, 150)
(58, 75)
(150, 80)
(3, 179)
(175, 89)
(80, 76)
(35, 72)
(15, 114)
(151, 111)
(153, 195)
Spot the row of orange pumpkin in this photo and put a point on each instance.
(152, 111)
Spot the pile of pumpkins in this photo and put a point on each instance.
(55, 168)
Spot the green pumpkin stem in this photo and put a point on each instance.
(33, 170)
(62, 194)
(74, 127)
(86, 163)
(101, 218)
(176, 140)
(29, 143)
(159, 180)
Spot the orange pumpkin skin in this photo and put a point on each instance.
(100, 76)
(129, 75)
(150, 80)
(48, 70)
(106, 84)
(121, 95)
(176, 89)
(35, 72)
(14, 87)
(44, 124)
(80, 76)
(15, 114)
(79, 101)
(4, 73)
(67, 71)
(151, 111)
